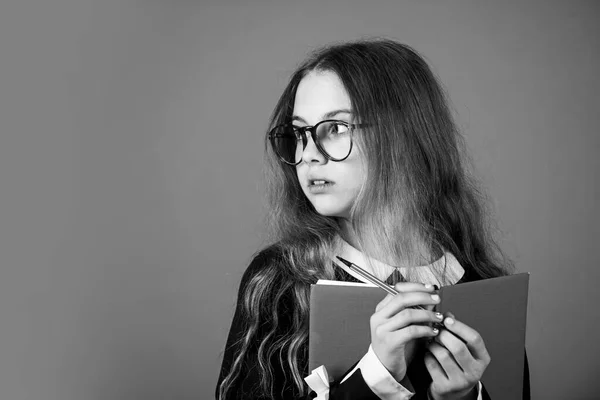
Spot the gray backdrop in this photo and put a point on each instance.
(130, 174)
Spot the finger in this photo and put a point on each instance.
(438, 375)
(412, 332)
(435, 290)
(458, 349)
(405, 300)
(470, 336)
(410, 316)
(404, 287)
(384, 302)
(446, 361)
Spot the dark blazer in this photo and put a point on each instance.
(353, 388)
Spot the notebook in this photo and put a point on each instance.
(496, 308)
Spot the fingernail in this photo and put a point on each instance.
(428, 286)
(439, 315)
(449, 321)
(435, 297)
(435, 331)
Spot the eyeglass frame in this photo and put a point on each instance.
(301, 130)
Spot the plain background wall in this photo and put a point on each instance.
(130, 174)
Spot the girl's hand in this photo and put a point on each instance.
(394, 325)
(457, 361)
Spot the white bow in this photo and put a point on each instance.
(318, 381)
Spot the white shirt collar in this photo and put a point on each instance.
(444, 271)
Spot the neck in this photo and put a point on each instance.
(424, 254)
(348, 234)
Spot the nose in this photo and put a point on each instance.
(311, 153)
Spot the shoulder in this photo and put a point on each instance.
(266, 266)
(261, 261)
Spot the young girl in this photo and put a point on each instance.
(364, 162)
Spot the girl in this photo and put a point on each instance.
(364, 162)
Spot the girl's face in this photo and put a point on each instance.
(331, 187)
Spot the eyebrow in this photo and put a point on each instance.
(327, 115)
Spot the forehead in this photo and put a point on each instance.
(319, 93)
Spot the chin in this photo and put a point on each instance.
(330, 206)
(332, 211)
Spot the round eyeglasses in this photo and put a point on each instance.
(333, 139)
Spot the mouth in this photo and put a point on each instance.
(319, 186)
(319, 182)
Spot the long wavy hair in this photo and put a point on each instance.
(418, 192)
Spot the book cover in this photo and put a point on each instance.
(496, 308)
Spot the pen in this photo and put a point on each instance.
(373, 279)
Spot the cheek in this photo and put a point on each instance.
(358, 171)
(299, 172)
(357, 185)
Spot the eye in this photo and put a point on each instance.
(297, 131)
(338, 128)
